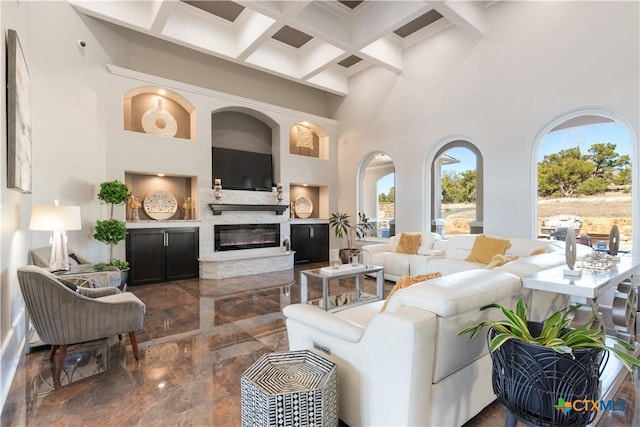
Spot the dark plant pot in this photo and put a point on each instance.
(124, 276)
(347, 254)
(529, 379)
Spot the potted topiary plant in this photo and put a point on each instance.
(342, 228)
(112, 231)
(538, 366)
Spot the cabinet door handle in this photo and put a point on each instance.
(312, 232)
(166, 239)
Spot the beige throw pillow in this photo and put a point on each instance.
(538, 251)
(409, 243)
(485, 247)
(406, 281)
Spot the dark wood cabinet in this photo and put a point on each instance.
(311, 242)
(161, 254)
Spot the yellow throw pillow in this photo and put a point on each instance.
(499, 259)
(485, 247)
(409, 243)
(538, 251)
(406, 281)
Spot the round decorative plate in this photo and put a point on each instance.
(303, 207)
(160, 205)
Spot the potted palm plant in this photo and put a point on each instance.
(112, 231)
(537, 366)
(342, 228)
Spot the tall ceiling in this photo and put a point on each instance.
(317, 43)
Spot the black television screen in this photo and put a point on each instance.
(242, 170)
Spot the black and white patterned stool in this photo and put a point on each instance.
(293, 388)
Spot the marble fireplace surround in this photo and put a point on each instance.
(223, 264)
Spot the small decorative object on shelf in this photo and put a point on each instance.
(570, 254)
(217, 191)
(279, 195)
(186, 207)
(134, 204)
(597, 260)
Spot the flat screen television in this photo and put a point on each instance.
(242, 170)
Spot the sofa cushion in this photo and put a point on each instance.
(458, 293)
(395, 264)
(406, 281)
(459, 247)
(409, 243)
(485, 247)
(527, 265)
(426, 244)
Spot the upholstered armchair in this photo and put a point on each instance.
(41, 257)
(63, 316)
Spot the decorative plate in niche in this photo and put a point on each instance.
(160, 205)
(303, 207)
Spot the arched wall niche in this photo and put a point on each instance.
(586, 116)
(376, 174)
(308, 139)
(436, 162)
(241, 128)
(165, 108)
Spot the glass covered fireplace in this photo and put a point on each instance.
(231, 237)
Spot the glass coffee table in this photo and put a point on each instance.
(345, 271)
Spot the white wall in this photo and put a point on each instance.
(14, 216)
(74, 148)
(536, 61)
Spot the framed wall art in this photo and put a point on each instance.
(18, 116)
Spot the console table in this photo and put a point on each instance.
(592, 284)
(623, 277)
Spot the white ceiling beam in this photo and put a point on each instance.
(467, 15)
(252, 30)
(386, 52)
(163, 11)
(384, 17)
(324, 23)
(317, 55)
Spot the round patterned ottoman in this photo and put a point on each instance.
(293, 388)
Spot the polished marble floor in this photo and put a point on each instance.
(199, 336)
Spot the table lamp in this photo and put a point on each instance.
(57, 219)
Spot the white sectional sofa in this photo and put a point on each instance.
(449, 256)
(407, 365)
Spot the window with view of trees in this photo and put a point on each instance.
(377, 194)
(584, 176)
(457, 197)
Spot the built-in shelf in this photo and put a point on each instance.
(219, 208)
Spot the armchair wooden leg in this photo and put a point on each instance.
(60, 364)
(52, 355)
(134, 344)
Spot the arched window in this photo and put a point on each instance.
(456, 189)
(377, 193)
(584, 178)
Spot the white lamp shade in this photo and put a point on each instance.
(54, 217)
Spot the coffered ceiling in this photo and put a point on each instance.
(317, 43)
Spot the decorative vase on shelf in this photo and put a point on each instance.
(134, 204)
(217, 191)
(186, 207)
(279, 195)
